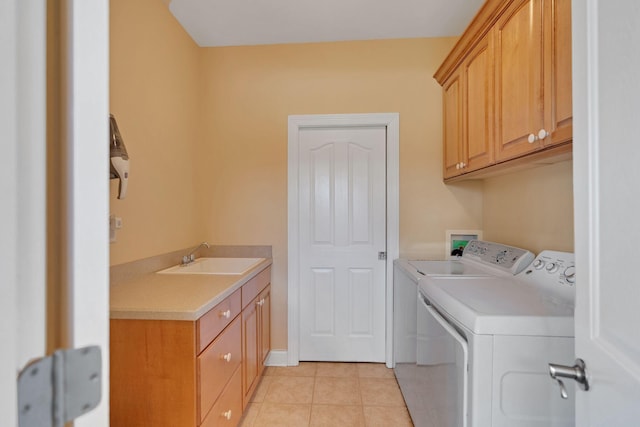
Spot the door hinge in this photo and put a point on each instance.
(59, 388)
(382, 255)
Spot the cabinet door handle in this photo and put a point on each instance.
(260, 303)
(227, 414)
(542, 134)
(227, 357)
(225, 314)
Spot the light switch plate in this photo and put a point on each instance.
(112, 228)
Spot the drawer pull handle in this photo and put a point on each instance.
(225, 314)
(227, 414)
(261, 302)
(227, 357)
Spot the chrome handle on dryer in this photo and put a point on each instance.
(576, 372)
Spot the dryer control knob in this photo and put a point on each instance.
(538, 264)
(552, 268)
(570, 275)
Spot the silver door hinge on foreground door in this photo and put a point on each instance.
(57, 389)
(382, 255)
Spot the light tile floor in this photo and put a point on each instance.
(328, 394)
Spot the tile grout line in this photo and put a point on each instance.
(315, 374)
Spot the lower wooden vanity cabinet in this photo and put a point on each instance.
(256, 327)
(178, 373)
(228, 409)
(265, 325)
(216, 365)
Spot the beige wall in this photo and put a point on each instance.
(155, 96)
(532, 209)
(206, 130)
(248, 94)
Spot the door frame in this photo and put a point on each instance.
(296, 123)
(23, 185)
(23, 189)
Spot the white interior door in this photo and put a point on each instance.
(607, 209)
(342, 215)
(23, 189)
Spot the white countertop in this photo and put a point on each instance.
(174, 296)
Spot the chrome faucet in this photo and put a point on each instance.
(190, 257)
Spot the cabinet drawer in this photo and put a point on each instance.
(217, 364)
(253, 287)
(216, 319)
(227, 411)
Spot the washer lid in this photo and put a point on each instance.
(499, 306)
(450, 268)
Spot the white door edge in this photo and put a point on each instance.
(297, 122)
(88, 171)
(23, 189)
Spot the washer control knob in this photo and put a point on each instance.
(570, 275)
(552, 268)
(538, 264)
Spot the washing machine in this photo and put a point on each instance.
(417, 336)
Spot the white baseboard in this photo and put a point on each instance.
(277, 358)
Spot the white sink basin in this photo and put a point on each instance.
(228, 266)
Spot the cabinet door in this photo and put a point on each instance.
(452, 126)
(153, 373)
(478, 107)
(558, 101)
(519, 78)
(250, 351)
(265, 325)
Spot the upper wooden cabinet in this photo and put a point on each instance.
(558, 105)
(519, 79)
(507, 88)
(477, 75)
(468, 113)
(452, 125)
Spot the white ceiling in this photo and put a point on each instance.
(252, 22)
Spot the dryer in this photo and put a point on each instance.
(499, 334)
